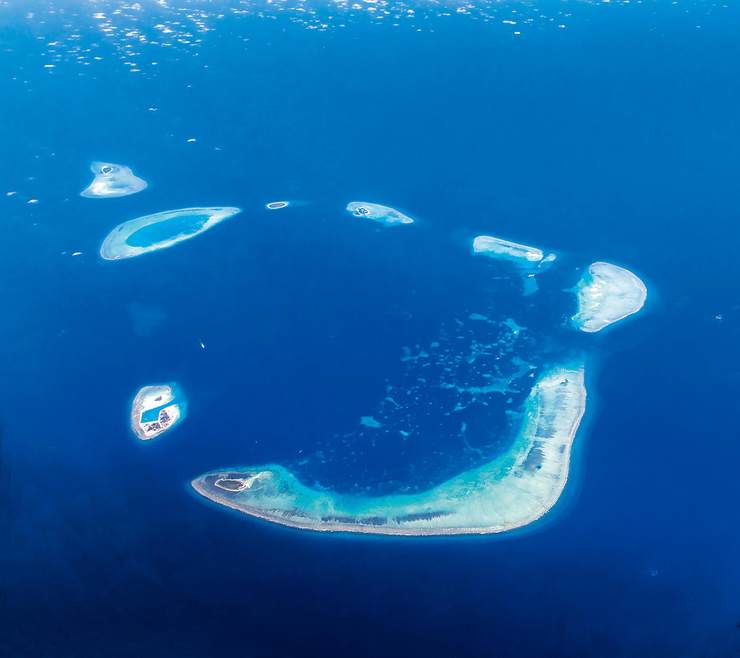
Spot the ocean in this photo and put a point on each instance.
(598, 131)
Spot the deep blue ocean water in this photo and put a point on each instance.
(614, 137)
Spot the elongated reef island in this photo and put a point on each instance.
(112, 180)
(513, 251)
(513, 490)
(378, 213)
(528, 260)
(156, 410)
(606, 294)
(161, 230)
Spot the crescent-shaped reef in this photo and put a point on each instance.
(161, 230)
(515, 489)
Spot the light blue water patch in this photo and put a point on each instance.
(152, 415)
(161, 231)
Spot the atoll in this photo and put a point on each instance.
(161, 230)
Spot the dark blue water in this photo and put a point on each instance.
(613, 138)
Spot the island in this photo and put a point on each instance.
(161, 230)
(515, 489)
(382, 214)
(277, 205)
(157, 409)
(112, 180)
(528, 260)
(606, 294)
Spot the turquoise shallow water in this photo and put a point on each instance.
(166, 230)
(151, 415)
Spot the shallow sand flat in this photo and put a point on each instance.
(606, 294)
(112, 180)
(166, 397)
(513, 490)
(118, 243)
(378, 213)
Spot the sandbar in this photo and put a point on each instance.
(606, 294)
(157, 409)
(161, 230)
(112, 180)
(515, 489)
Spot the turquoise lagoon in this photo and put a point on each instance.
(156, 233)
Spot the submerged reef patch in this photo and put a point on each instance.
(112, 180)
(161, 230)
(452, 403)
